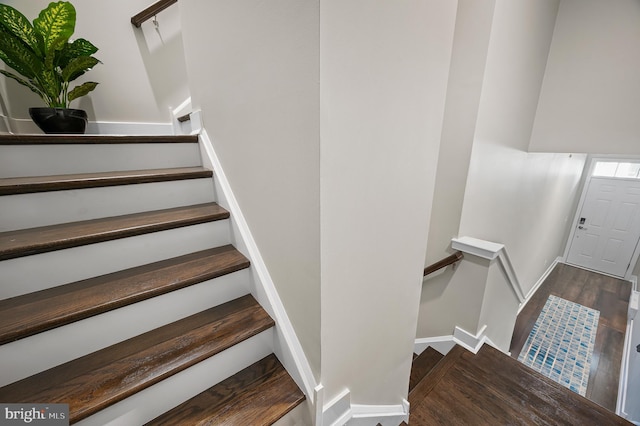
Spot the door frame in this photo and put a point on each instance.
(586, 181)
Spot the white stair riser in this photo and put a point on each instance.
(23, 211)
(299, 416)
(159, 398)
(74, 340)
(37, 272)
(44, 160)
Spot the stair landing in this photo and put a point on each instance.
(490, 388)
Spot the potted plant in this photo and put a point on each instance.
(46, 62)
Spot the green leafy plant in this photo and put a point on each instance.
(43, 55)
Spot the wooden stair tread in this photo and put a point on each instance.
(26, 242)
(492, 388)
(258, 395)
(25, 185)
(36, 312)
(422, 365)
(93, 139)
(424, 386)
(95, 381)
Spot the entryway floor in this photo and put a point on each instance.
(608, 295)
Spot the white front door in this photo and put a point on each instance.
(608, 227)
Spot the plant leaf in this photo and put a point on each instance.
(77, 67)
(82, 90)
(18, 56)
(79, 47)
(18, 25)
(50, 84)
(22, 81)
(56, 22)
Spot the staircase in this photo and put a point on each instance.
(121, 293)
(491, 388)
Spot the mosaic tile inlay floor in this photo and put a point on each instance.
(560, 345)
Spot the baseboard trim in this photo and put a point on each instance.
(337, 412)
(5, 127)
(340, 411)
(27, 126)
(621, 405)
(469, 341)
(286, 343)
(385, 415)
(624, 370)
(538, 283)
(443, 344)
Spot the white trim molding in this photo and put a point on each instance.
(442, 344)
(385, 415)
(337, 412)
(491, 251)
(623, 385)
(538, 283)
(27, 126)
(470, 342)
(5, 125)
(460, 336)
(340, 411)
(286, 345)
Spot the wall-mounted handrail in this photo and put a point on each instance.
(450, 260)
(184, 118)
(151, 11)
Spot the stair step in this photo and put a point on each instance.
(490, 387)
(258, 395)
(98, 380)
(93, 139)
(422, 365)
(25, 185)
(48, 238)
(423, 387)
(33, 313)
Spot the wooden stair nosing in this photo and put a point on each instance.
(27, 185)
(33, 313)
(95, 381)
(93, 139)
(259, 394)
(422, 365)
(427, 384)
(43, 239)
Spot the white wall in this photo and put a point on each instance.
(384, 68)
(591, 93)
(142, 73)
(522, 200)
(254, 70)
(335, 180)
(464, 86)
(441, 293)
(499, 307)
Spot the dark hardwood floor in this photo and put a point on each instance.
(490, 388)
(608, 295)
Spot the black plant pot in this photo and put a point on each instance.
(59, 120)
